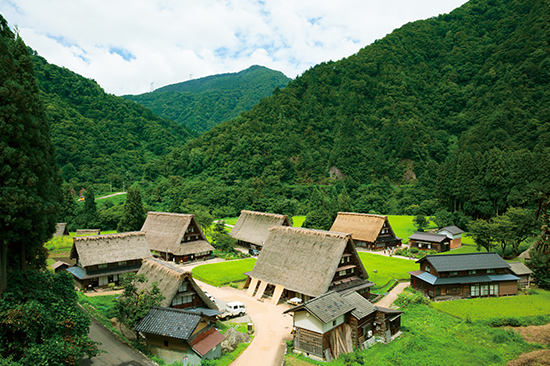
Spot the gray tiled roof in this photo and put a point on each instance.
(433, 280)
(519, 268)
(465, 262)
(174, 323)
(363, 307)
(327, 307)
(434, 238)
(452, 229)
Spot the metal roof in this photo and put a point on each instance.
(326, 307)
(465, 262)
(434, 238)
(168, 322)
(433, 280)
(452, 229)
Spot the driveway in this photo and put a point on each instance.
(271, 327)
(117, 352)
(387, 300)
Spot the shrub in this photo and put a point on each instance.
(410, 296)
(414, 250)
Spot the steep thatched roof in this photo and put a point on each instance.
(88, 232)
(253, 227)
(526, 255)
(302, 260)
(165, 232)
(61, 229)
(101, 249)
(363, 227)
(169, 278)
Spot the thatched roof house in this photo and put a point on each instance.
(61, 229)
(100, 259)
(367, 230)
(177, 286)
(82, 232)
(252, 228)
(176, 236)
(307, 263)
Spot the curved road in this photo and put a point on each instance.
(117, 352)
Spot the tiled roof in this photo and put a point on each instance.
(363, 307)
(452, 229)
(205, 341)
(174, 323)
(464, 262)
(326, 307)
(434, 238)
(519, 269)
(433, 280)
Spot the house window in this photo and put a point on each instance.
(183, 287)
(471, 272)
(491, 271)
(454, 290)
(453, 273)
(484, 289)
(166, 344)
(342, 273)
(100, 266)
(429, 246)
(493, 289)
(179, 299)
(122, 263)
(427, 268)
(334, 323)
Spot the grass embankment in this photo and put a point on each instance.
(223, 273)
(388, 269)
(498, 307)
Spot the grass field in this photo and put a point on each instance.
(498, 307)
(433, 338)
(387, 269)
(219, 274)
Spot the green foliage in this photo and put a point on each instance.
(223, 273)
(504, 307)
(201, 104)
(540, 265)
(134, 213)
(409, 297)
(133, 305)
(30, 193)
(420, 222)
(41, 322)
(89, 218)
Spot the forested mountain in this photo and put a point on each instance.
(203, 103)
(99, 137)
(383, 122)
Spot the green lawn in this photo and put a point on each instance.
(498, 307)
(403, 226)
(219, 274)
(387, 269)
(297, 220)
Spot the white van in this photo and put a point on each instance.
(235, 308)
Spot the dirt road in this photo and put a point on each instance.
(387, 300)
(271, 327)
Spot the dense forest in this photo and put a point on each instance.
(405, 125)
(100, 138)
(201, 104)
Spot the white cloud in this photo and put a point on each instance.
(126, 44)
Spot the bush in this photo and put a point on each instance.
(414, 250)
(409, 296)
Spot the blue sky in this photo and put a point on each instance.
(125, 45)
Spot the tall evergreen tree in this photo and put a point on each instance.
(68, 207)
(91, 218)
(134, 213)
(29, 180)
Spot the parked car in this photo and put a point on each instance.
(212, 298)
(253, 252)
(235, 308)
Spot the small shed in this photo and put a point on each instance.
(523, 272)
(60, 266)
(252, 228)
(61, 229)
(429, 241)
(454, 233)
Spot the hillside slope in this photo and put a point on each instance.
(99, 137)
(201, 104)
(475, 79)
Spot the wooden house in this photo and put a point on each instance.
(457, 276)
(523, 272)
(252, 228)
(430, 241)
(176, 237)
(332, 324)
(368, 231)
(177, 286)
(61, 230)
(86, 232)
(306, 263)
(102, 259)
(60, 266)
(454, 233)
(180, 335)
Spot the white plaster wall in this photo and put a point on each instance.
(302, 320)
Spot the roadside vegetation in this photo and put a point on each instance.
(384, 271)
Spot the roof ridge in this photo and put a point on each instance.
(263, 213)
(108, 236)
(307, 231)
(362, 214)
(158, 213)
